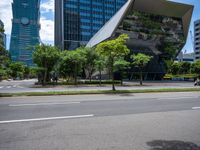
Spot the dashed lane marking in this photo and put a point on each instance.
(168, 98)
(45, 119)
(194, 108)
(43, 104)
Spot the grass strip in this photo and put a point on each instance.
(52, 93)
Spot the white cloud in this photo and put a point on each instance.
(47, 6)
(6, 14)
(47, 30)
(47, 25)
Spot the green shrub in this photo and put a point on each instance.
(3, 74)
(185, 76)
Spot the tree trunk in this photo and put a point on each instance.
(113, 84)
(67, 79)
(90, 76)
(109, 73)
(141, 77)
(45, 75)
(75, 75)
(100, 77)
(121, 76)
(131, 77)
(48, 77)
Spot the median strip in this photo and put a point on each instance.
(45, 119)
(51, 93)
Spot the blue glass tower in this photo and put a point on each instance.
(76, 21)
(25, 30)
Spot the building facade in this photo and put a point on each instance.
(76, 21)
(2, 36)
(185, 57)
(158, 28)
(197, 40)
(25, 30)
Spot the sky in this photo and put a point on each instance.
(47, 20)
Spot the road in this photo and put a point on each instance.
(28, 86)
(16, 86)
(168, 121)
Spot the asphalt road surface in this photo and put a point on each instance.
(162, 121)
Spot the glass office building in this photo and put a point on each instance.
(76, 21)
(197, 40)
(25, 30)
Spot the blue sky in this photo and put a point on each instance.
(47, 20)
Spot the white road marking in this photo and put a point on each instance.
(14, 86)
(176, 98)
(45, 119)
(1, 87)
(194, 108)
(8, 87)
(42, 104)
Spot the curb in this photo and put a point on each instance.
(54, 93)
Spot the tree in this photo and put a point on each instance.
(195, 68)
(140, 61)
(3, 74)
(65, 66)
(113, 50)
(89, 63)
(46, 56)
(33, 71)
(100, 65)
(168, 64)
(17, 70)
(26, 72)
(4, 63)
(4, 58)
(175, 68)
(120, 65)
(184, 67)
(71, 63)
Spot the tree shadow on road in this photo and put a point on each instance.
(172, 145)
